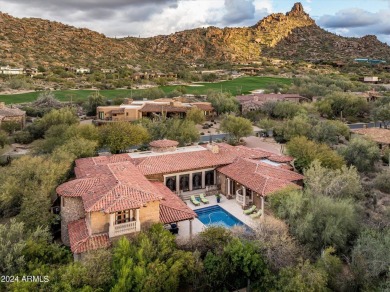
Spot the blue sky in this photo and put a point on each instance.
(152, 17)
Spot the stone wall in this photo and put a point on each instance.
(149, 214)
(71, 209)
(222, 181)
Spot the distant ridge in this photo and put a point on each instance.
(294, 35)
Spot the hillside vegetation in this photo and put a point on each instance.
(33, 42)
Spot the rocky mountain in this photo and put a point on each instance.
(36, 41)
(294, 35)
(314, 43)
(233, 44)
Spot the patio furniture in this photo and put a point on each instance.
(203, 199)
(250, 210)
(194, 201)
(257, 214)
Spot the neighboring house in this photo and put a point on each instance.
(82, 70)
(12, 114)
(7, 70)
(369, 95)
(133, 110)
(108, 70)
(371, 79)
(32, 72)
(250, 70)
(152, 75)
(255, 101)
(123, 194)
(379, 135)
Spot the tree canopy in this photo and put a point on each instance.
(195, 115)
(236, 127)
(362, 153)
(223, 102)
(122, 135)
(305, 152)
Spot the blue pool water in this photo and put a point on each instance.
(215, 215)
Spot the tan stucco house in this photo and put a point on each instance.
(122, 194)
(132, 110)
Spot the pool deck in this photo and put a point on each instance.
(230, 206)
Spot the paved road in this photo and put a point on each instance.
(208, 138)
(365, 125)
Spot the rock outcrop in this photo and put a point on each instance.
(32, 42)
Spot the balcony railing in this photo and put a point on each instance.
(240, 197)
(124, 228)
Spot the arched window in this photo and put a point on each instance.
(210, 178)
(197, 181)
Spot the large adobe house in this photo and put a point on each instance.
(132, 110)
(122, 194)
(256, 101)
(379, 135)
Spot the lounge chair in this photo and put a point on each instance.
(203, 199)
(257, 214)
(194, 201)
(250, 210)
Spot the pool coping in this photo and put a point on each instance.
(219, 206)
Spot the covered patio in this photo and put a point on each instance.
(248, 182)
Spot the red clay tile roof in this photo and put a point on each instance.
(378, 135)
(203, 106)
(163, 143)
(118, 182)
(81, 240)
(177, 162)
(280, 158)
(258, 176)
(157, 108)
(109, 188)
(172, 208)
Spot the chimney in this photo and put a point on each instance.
(2, 105)
(213, 147)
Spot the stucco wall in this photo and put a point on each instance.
(130, 114)
(71, 209)
(149, 214)
(99, 222)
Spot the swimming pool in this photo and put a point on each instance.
(215, 215)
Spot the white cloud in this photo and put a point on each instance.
(358, 22)
(142, 17)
